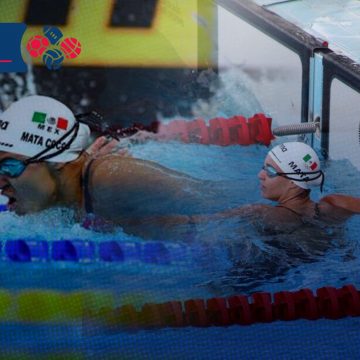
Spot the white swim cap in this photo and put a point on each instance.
(299, 163)
(34, 123)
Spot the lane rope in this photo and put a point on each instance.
(236, 130)
(96, 309)
(262, 307)
(84, 251)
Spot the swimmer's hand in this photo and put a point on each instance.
(102, 146)
(142, 136)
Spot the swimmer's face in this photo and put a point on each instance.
(32, 191)
(273, 188)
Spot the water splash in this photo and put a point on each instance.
(231, 95)
(14, 86)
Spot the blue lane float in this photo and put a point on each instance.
(25, 251)
(77, 250)
(73, 250)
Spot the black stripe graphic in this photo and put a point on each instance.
(45, 12)
(133, 13)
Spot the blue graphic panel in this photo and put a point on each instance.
(10, 40)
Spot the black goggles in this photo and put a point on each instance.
(305, 176)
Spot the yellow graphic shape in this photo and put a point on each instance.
(54, 306)
(182, 34)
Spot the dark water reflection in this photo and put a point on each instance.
(257, 257)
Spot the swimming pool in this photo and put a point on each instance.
(219, 259)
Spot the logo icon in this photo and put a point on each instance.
(53, 48)
(309, 163)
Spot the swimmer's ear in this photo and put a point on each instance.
(292, 185)
(55, 166)
(59, 166)
(302, 193)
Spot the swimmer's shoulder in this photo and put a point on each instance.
(338, 207)
(102, 184)
(103, 168)
(274, 219)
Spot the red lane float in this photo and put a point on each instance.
(260, 129)
(284, 306)
(239, 310)
(198, 132)
(236, 130)
(329, 302)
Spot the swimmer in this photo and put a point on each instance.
(289, 172)
(43, 163)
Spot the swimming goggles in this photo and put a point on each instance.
(270, 171)
(308, 176)
(13, 168)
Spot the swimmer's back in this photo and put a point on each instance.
(121, 187)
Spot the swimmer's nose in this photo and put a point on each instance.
(261, 174)
(3, 181)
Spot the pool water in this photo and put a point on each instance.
(220, 258)
(223, 258)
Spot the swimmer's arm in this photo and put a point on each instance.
(199, 219)
(235, 212)
(347, 203)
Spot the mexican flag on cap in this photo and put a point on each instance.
(40, 117)
(312, 164)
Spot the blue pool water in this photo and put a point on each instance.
(224, 258)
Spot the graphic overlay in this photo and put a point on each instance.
(155, 33)
(53, 47)
(10, 40)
